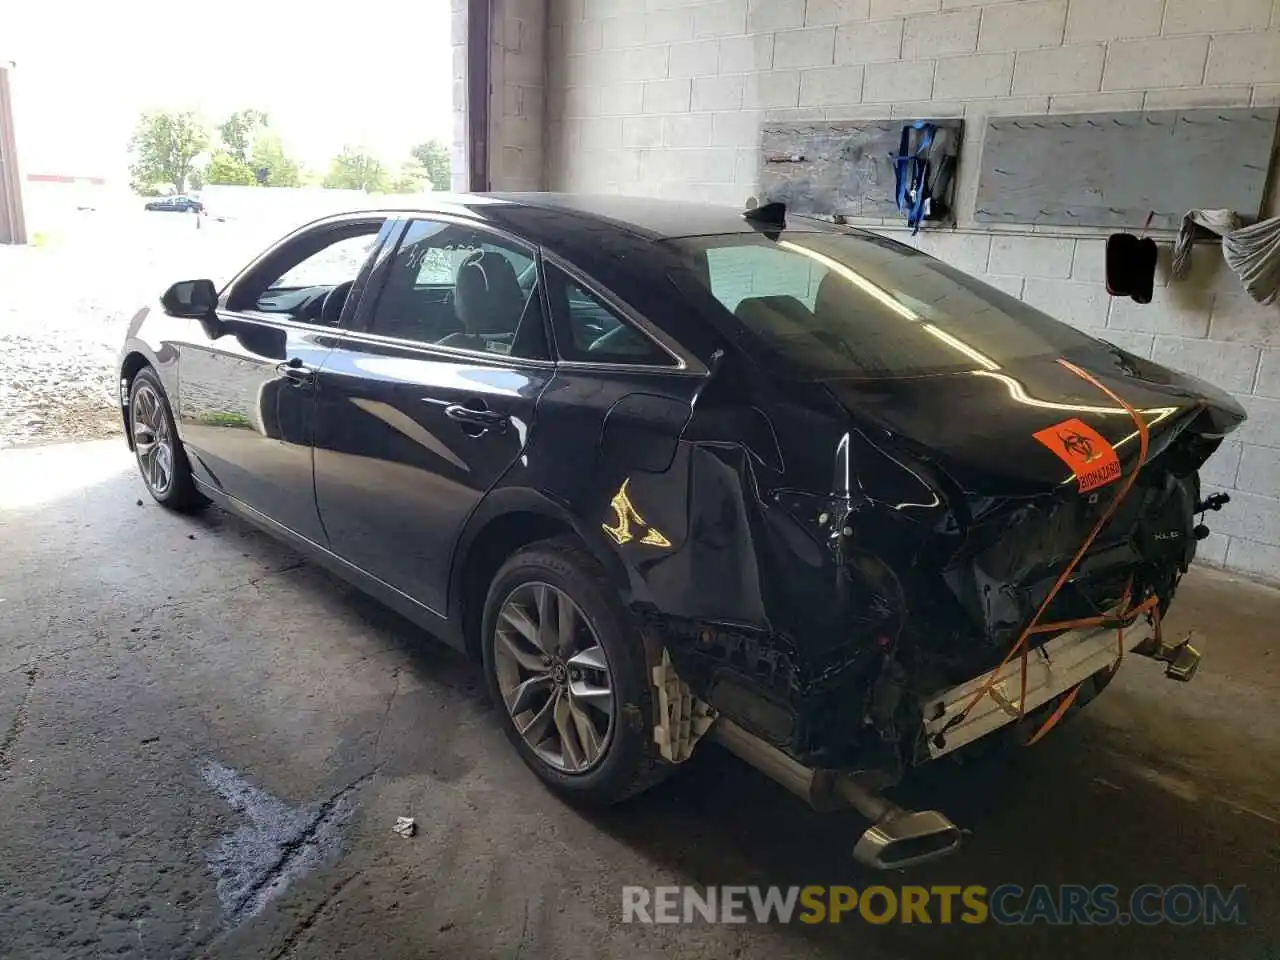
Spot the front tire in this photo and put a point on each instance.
(567, 671)
(161, 459)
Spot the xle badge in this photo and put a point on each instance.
(1084, 450)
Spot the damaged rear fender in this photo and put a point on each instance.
(774, 603)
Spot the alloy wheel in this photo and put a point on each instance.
(554, 677)
(152, 440)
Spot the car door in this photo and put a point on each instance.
(247, 394)
(428, 399)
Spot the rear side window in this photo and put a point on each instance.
(590, 330)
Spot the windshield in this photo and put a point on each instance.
(856, 305)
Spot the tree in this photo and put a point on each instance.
(225, 169)
(240, 131)
(434, 156)
(164, 146)
(271, 166)
(252, 154)
(353, 169)
(412, 178)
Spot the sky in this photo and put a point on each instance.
(376, 73)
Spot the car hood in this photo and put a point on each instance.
(1034, 426)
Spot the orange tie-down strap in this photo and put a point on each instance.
(1152, 604)
(1022, 647)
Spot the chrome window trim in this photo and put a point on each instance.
(345, 334)
(442, 352)
(685, 363)
(605, 367)
(271, 320)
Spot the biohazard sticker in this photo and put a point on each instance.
(1084, 450)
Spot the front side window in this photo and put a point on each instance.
(336, 263)
(851, 305)
(295, 280)
(589, 330)
(457, 286)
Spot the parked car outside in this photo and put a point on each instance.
(180, 204)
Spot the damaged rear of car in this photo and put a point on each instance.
(916, 513)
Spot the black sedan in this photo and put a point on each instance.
(670, 470)
(178, 204)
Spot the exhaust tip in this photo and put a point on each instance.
(905, 839)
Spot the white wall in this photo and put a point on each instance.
(12, 221)
(666, 98)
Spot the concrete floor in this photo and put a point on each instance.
(205, 742)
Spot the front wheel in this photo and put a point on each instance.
(161, 459)
(567, 671)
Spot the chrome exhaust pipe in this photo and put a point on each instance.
(896, 837)
(769, 760)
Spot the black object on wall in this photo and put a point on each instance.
(1131, 265)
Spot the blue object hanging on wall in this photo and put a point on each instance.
(911, 170)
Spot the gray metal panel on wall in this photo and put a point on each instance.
(1113, 169)
(843, 167)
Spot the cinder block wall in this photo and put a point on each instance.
(517, 119)
(517, 96)
(666, 98)
(458, 46)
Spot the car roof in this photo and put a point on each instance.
(660, 219)
(641, 216)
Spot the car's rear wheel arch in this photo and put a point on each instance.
(509, 520)
(498, 539)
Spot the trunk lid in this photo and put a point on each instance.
(1033, 426)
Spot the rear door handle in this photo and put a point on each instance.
(471, 416)
(295, 372)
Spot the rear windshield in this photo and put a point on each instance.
(851, 305)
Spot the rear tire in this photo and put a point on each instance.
(162, 462)
(575, 702)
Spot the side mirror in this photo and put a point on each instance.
(197, 299)
(190, 298)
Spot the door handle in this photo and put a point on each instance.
(296, 373)
(477, 417)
